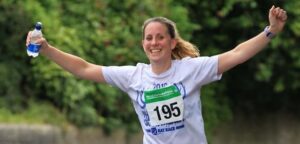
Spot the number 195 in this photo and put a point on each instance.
(168, 111)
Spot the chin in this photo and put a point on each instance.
(154, 59)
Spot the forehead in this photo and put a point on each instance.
(155, 28)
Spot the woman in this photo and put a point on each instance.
(165, 93)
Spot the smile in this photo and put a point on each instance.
(155, 50)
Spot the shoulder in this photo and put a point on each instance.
(119, 68)
(125, 70)
(188, 61)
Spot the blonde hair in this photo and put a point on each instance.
(183, 48)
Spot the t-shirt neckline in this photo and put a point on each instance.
(162, 75)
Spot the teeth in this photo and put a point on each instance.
(153, 51)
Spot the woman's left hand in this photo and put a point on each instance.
(277, 19)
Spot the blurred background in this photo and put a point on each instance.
(255, 103)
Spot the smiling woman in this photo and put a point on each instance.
(162, 42)
(165, 92)
(182, 48)
(158, 46)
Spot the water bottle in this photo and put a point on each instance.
(34, 48)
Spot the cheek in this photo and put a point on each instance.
(145, 45)
(145, 50)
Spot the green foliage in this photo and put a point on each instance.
(36, 113)
(13, 70)
(215, 107)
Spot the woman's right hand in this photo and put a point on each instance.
(42, 41)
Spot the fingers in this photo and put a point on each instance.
(43, 42)
(272, 9)
(283, 15)
(40, 40)
(278, 13)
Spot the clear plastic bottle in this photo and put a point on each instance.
(34, 48)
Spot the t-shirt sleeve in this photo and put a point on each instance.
(204, 70)
(118, 76)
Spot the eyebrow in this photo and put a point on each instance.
(157, 34)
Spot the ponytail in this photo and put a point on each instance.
(184, 49)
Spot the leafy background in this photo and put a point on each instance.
(108, 32)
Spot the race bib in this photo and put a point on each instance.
(164, 105)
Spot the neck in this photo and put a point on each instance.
(159, 68)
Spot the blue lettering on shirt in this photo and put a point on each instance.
(154, 131)
(139, 99)
(159, 85)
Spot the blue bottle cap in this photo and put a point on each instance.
(38, 26)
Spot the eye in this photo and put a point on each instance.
(160, 37)
(148, 38)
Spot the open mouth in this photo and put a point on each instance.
(155, 50)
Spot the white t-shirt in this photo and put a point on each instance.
(188, 75)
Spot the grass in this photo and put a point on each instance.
(36, 113)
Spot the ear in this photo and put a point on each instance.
(173, 43)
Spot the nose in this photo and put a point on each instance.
(154, 42)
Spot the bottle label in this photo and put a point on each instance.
(34, 47)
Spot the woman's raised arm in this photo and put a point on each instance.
(247, 49)
(73, 64)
